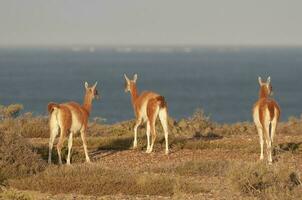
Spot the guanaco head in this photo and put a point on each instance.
(130, 84)
(266, 88)
(92, 91)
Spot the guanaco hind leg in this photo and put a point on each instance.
(259, 130)
(148, 135)
(54, 131)
(69, 147)
(61, 143)
(268, 140)
(260, 133)
(153, 134)
(163, 116)
(152, 113)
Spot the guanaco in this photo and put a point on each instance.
(68, 119)
(266, 114)
(147, 106)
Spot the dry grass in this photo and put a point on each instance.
(258, 180)
(10, 111)
(205, 168)
(278, 181)
(95, 180)
(27, 125)
(197, 168)
(33, 127)
(17, 158)
(206, 158)
(12, 194)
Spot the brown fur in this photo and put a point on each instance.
(66, 121)
(81, 113)
(139, 100)
(266, 125)
(151, 109)
(264, 103)
(147, 103)
(269, 104)
(64, 116)
(151, 98)
(162, 102)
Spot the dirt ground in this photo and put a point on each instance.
(215, 187)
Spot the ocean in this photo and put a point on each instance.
(220, 80)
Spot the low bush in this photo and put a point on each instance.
(10, 111)
(27, 125)
(17, 158)
(264, 181)
(33, 127)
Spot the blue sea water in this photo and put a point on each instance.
(220, 80)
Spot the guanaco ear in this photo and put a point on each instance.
(94, 86)
(135, 78)
(260, 80)
(86, 85)
(268, 80)
(127, 79)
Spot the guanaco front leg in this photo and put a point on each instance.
(83, 136)
(137, 123)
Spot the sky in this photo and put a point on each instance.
(150, 22)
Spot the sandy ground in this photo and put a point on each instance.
(216, 187)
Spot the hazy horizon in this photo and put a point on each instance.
(150, 23)
(151, 45)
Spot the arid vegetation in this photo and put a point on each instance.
(207, 161)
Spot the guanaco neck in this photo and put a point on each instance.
(87, 103)
(134, 94)
(263, 92)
